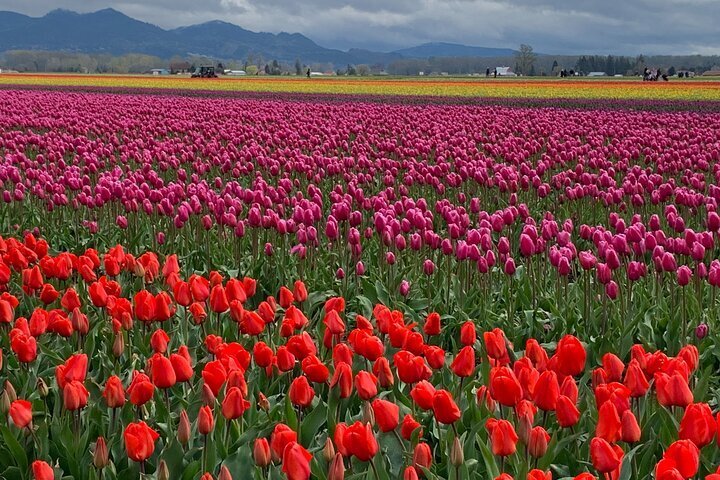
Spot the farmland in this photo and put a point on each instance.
(612, 88)
(198, 286)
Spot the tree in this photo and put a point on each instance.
(555, 67)
(351, 70)
(671, 70)
(363, 70)
(298, 67)
(525, 59)
(275, 69)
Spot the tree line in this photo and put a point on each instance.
(524, 62)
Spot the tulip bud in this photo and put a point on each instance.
(100, 457)
(328, 450)
(336, 469)
(118, 345)
(404, 288)
(340, 274)
(4, 403)
(1, 359)
(261, 452)
(224, 474)
(10, 390)
(263, 402)
(163, 473)
(42, 388)
(359, 269)
(206, 420)
(525, 425)
(702, 330)
(538, 444)
(183, 431)
(138, 270)
(368, 416)
(457, 456)
(208, 397)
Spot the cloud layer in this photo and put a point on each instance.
(551, 26)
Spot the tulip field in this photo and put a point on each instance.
(216, 288)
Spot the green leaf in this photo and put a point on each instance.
(491, 468)
(240, 463)
(17, 451)
(311, 424)
(626, 467)
(173, 455)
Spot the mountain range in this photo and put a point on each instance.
(112, 32)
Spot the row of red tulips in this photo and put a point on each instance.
(321, 390)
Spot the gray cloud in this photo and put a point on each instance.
(551, 26)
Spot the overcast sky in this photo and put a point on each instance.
(550, 26)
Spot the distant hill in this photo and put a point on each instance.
(112, 32)
(441, 49)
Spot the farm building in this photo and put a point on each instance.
(505, 72)
(597, 74)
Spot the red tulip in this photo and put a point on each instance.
(360, 441)
(537, 474)
(141, 389)
(504, 386)
(604, 457)
(114, 394)
(234, 404)
(464, 363)
(285, 297)
(672, 390)
(538, 444)
(467, 333)
(410, 474)
(411, 368)
(299, 291)
(698, 424)
(261, 453)
(282, 436)
(139, 441)
(503, 438)
(635, 380)
(366, 385)
(571, 356)
(214, 375)
(218, 300)
(42, 471)
(301, 393)
(444, 407)
(495, 344)
(422, 457)
(75, 395)
(432, 324)
(381, 369)
(163, 373)
(315, 369)
(408, 426)
(683, 456)
(21, 413)
(566, 412)
(422, 394)
(608, 426)
(296, 462)
(547, 391)
(386, 414)
(630, 430)
(205, 421)
(159, 341)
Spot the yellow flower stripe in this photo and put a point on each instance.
(455, 87)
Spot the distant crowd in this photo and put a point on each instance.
(654, 75)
